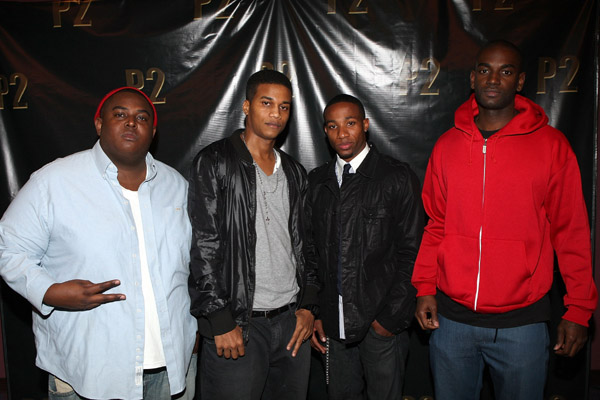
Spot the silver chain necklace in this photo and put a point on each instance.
(261, 183)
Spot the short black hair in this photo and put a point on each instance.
(345, 98)
(265, 76)
(506, 44)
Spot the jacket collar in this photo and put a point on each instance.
(367, 167)
(240, 146)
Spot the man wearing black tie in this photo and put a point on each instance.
(367, 224)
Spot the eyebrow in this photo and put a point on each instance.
(345, 118)
(127, 109)
(501, 67)
(272, 99)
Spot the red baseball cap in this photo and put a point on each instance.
(109, 94)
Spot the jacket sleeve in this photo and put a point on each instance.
(424, 276)
(408, 230)
(570, 234)
(208, 291)
(310, 255)
(25, 231)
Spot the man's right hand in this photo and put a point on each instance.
(79, 294)
(230, 344)
(318, 337)
(426, 312)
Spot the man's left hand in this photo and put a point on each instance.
(380, 330)
(304, 329)
(570, 338)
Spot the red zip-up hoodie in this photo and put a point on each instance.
(499, 209)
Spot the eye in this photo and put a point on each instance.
(351, 123)
(266, 103)
(483, 70)
(284, 108)
(119, 114)
(331, 126)
(142, 118)
(507, 72)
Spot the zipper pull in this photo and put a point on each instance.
(484, 146)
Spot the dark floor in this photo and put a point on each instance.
(594, 386)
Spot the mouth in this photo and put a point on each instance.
(491, 93)
(344, 146)
(273, 125)
(129, 136)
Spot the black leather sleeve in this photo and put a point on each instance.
(208, 291)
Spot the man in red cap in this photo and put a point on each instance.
(87, 223)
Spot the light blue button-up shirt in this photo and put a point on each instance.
(71, 221)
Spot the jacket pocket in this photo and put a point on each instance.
(457, 273)
(376, 222)
(505, 276)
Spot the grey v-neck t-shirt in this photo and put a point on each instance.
(276, 284)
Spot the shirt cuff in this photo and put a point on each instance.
(36, 290)
(577, 316)
(425, 289)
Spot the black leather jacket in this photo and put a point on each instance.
(381, 218)
(222, 207)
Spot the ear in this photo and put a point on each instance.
(521, 81)
(98, 125)
(472, 79)
(246, 106)
(153, 131)
(366, 124)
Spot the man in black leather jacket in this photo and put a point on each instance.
(368, 221)
(253, 282)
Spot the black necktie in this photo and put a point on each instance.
(346, 174)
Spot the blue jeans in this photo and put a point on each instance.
(517, 359)
(266, 371)
(156, 387)
(190, 380)
(377, 362)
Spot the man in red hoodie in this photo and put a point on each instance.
(503, 193)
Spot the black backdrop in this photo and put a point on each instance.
(408, 60)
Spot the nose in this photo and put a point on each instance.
(276, 112)
(493, 78)
(131, 121)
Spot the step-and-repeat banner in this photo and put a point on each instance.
(407, 60)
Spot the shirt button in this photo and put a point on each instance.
(138, 350)
(139, 310)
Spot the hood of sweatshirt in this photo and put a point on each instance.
(530, 117)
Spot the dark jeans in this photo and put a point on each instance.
(377, 362)
(267, 371)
